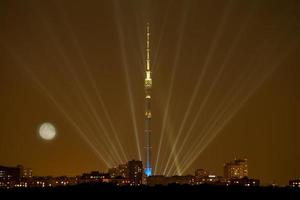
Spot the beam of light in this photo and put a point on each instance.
(96, 89)
(218, 112)
(99, 124)
(96, 120)
(222, 106)
(86, 98)
(94, 137)
(127, 77)
(212, 87)
(170, 91)
(141, 50)
(211, 51)
(60, 108)
(219, 123)
(171, 129)
(162, 32)
(231, 96)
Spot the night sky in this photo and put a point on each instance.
(225, 84)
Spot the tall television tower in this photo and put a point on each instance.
(148, 116)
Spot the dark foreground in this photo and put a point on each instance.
(102, 190)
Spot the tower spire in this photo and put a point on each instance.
(148, 115)
(148, 47)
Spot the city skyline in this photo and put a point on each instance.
(226, 85)
(133, 173)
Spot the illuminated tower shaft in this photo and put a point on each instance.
(148, 116)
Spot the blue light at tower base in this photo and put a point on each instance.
(148, 171)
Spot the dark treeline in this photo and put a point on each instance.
(172, 190)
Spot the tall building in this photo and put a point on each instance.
(11, 173)
(148, 115)
(135, 171)
(25, 172)
(294, 183)
(236, 169)
(123, 170)
(113, 172)
(120, 171)
(10, 176)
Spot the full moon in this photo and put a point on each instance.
(47, 131)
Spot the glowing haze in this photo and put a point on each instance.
(226, 77)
